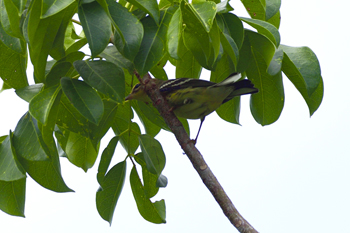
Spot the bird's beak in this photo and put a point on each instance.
(129, 97)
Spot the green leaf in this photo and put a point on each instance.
(10, 168)
(150, 128)
(104, 76)
(11, 17)
(48, 172)
(229, 111)
(272, 8)
(28, 92)
(127, 131)
(255, 8)
(13, 67)
(261, 45)
(265, 29)
(187, 65)
(230, 24)
(149, 6)
(108, 194)
(174, 35)
(129, 31)
(276, 63)
(153, 45)
(40, 106)
(51, 7)
(111, 54)
(153, 154)
(28, 140)
(96, 25)
(204, 44)
(152, 114)
(60, 69)
(152, 212)
(80, 151)
(149, 179)
(266, 105)
(275, 20)
(204, 12)
(13, 196)
(106, 158)
(223, 7)
(46, 35)
(302, 68)
(84, 99)
(13, 43)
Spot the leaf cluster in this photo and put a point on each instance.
(77, 97)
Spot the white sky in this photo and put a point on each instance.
(292, 176)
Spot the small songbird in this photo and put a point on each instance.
(195, 98)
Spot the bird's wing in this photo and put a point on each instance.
(182, 83)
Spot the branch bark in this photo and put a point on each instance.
(195, 157)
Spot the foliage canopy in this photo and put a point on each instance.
(77, 97)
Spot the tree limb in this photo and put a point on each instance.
(195, 157)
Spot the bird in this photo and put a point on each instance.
(196, 98)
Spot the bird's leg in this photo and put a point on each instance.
(200, 126)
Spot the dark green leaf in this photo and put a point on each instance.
(265, 29)
(149, 6)
(84, 99)
(255, 8)
(152, 212)
(127, 130)
(96, 25)
(153, 154)
(151, 128)
(153, 44)
(276, 63)
(272, 8)
(28, 141)
(28, 92)
(108, 194)
(13, 43)
(51, 7)
(152, 114)
(10, 18)
(60, 69)
(230, 24)
(13, 196)
(10, 168)
(111, 54)
(203, 45)
(302, 68)
(104, 76)
(13, 67)
(129, 31)
(40, 106)
(44, 35)
(106, 158)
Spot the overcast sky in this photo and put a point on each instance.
(292, 176)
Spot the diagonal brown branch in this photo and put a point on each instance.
(196, 158)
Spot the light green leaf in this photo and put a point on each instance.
(84, 98)
(187, 65)
(10, 18)
(223, 7)
(40, 106)
(96, 25)
(13, 196)
(129, 30)
(152, 212)
(80, 151)
(255, 8)
(111, 54)
(108, 194)
(174, 35)
(10, 168)
(153, 154)
(104, 76)
(204, 12)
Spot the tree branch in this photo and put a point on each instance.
(195, 157)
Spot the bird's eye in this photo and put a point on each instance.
(137, 85)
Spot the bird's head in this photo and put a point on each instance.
(138, 93)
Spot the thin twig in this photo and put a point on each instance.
(196, 158)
